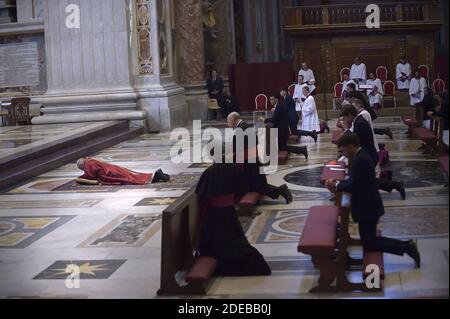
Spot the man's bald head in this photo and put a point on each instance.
(233, 119)
(80, 163)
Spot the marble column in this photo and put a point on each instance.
(191, 54)
(153, 63)
(88, 70)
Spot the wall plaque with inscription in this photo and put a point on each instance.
(19, 65)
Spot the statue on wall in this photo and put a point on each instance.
(209, 19)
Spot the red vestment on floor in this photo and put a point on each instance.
(110, 174)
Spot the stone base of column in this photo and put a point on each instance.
(87, 107)
(197, 100)
(165, 106)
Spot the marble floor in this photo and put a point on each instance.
(114, 234)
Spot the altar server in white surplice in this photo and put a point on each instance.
(345, 84)
(376, 93)
(310, 120)
(404, 73)
(417, 88)
(298, 93)
(308, 77)
(358, 72)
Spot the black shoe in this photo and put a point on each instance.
(422, 147)
(389, 133)
(314, 135)
(286, 193)
(413, 252)
(401, 190)
(305, 152)
(160, 176)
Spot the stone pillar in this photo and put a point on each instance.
(191, 54)
(88, 67)
(153, 65)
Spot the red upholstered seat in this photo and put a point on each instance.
(438, 86)
(425, 134)
(283, 156)
(443, 161)
(249, 199)
(319, 233)
(410, 121)
(291, 89)
(202, 270)
(373, 258)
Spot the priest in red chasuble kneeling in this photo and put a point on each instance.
(99, 172)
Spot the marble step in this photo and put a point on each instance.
(69, 153)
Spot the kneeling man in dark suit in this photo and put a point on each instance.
(367, 205)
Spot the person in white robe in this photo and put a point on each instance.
(417, 88)
(403, 74)
(346, 81)
(308, 74)
(376, 93)
(358, 72)
(298, 93)
(310, 117)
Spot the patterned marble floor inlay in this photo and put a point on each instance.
(50, 226)
(88, 269)
(125, 231)
(20, 232)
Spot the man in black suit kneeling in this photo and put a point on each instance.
(367, 205)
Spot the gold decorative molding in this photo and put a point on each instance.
(144, 37)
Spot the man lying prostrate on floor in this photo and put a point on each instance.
(255, 181)
(99, 172)
(367, 205)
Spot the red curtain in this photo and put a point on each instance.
(247, 80)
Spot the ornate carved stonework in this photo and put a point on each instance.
(144, 36)
(189, 39)
(326, 56)
(162, 37)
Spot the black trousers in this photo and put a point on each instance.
(293, 126)
(304, 133)
(386, 185)
(380, 131)
(368, 234)
(270, 191)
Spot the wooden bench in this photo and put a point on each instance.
(180, 236)
(415, 121)
(433, 136)
(318, 239)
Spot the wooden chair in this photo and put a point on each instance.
(337, 93)
(438, 86)
(213, 107)
(424, 71)
(344, 70)
(389, 91)
(291, 89)
(261, 102)
(382, 73)
(20, 108)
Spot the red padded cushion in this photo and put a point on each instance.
(410, 121)
(444, 163)
(319, 233)
(202, 270)
(283, 155)
(249, 199)
(425, 134)
(327, 173)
